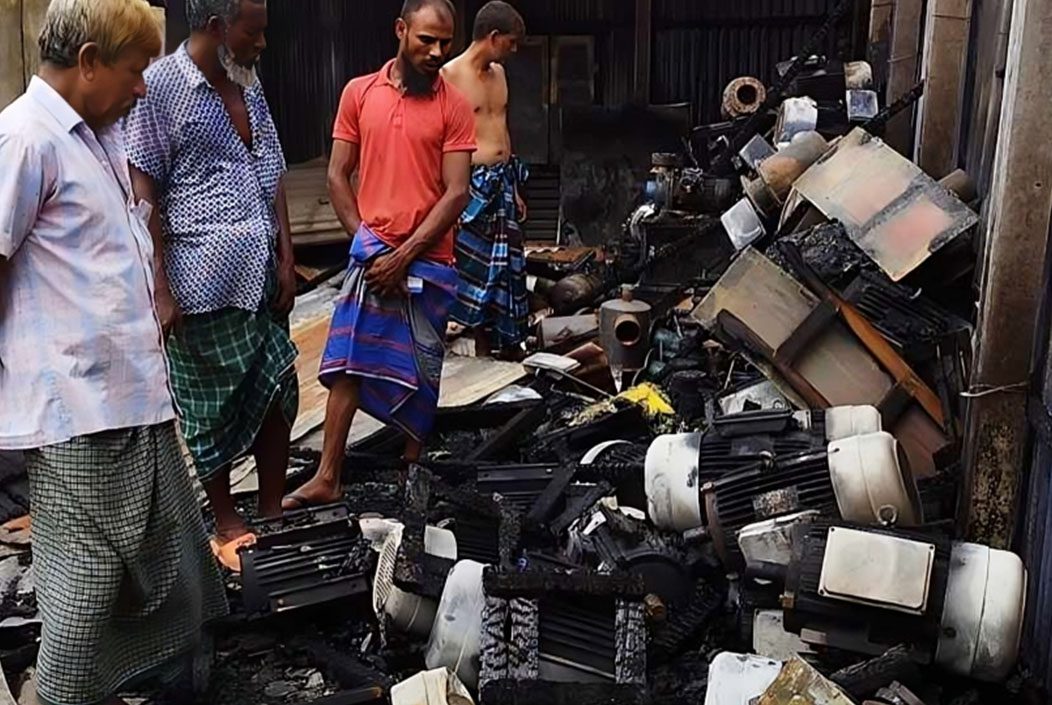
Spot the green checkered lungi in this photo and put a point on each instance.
(227, 368)
(124, 575)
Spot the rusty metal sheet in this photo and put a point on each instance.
(800, 684)
(891, 209)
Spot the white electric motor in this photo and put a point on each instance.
(457, 633)
(405, 611)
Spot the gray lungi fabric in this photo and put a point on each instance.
(125, 577)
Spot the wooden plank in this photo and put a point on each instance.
(33, 13)
(1016, 244)
(881, 13)
(465, 381)
(12, 68)
(902, 68)
(944, 67)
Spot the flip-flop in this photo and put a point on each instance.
(302, 502)
(226, 553)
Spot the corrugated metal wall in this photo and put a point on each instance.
(700, 46)
(316, 46)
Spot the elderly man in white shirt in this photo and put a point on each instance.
(125, 577)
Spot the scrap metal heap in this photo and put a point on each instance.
(732, 476)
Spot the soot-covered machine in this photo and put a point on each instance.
(758, 466)
(864, 589)
(674, 236)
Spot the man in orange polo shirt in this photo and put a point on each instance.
(409, 135)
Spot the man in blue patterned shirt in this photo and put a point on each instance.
(204, 150)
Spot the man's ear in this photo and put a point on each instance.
(216, 28)
(401, 29)
(88, 59)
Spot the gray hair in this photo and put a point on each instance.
(114, 25)
(199, 12)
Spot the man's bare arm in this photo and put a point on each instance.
(285, 254)
(342, 165)
(167, 308)
(286, 297)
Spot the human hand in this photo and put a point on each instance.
(520, 205)
(168, 311)
(286, 297)
(387, 275)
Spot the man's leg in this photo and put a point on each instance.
(271, 451)
(324, 487)
(483, 342)
(229, 524)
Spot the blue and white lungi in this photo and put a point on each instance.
(490, 257)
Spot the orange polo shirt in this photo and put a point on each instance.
(402, 139)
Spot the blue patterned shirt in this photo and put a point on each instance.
(217, 196)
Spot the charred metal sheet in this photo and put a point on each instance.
(540, 583)
(895, 212)
(863, 679)
(630, 635)
(751, 125)
(685, 623)
(321, 559)
(910, 320)
(492, 644)
(624, 424)
(520, 485)
(524, 638)
(520, 425)
(409, 565)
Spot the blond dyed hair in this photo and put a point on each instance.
(114, 25)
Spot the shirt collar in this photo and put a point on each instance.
(385, 77)
(42, 92)
(189, 68)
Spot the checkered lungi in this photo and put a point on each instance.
(490, 257)
(125, 578)
(227, 369)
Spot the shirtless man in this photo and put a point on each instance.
(491, 297)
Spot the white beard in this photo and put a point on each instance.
(245, 77)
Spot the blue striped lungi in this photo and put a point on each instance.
(394, 345)
(490, 257)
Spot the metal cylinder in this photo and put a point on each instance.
(624, 332)
(743, 96)
(960, 184)
(781, 170)
(574, 292)
(858, 75)
(778, 172)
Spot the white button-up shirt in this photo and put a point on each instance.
(80, 344)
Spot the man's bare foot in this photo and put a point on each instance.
(315, 493)
(230, 532)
